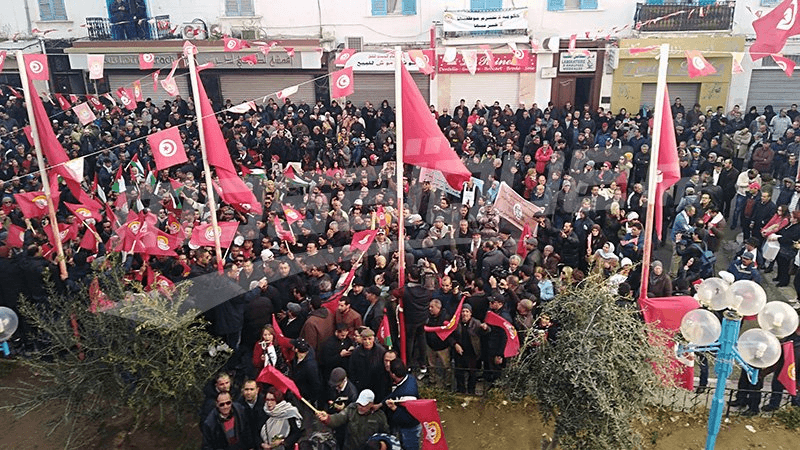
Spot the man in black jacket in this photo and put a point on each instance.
(226, 427)
(415, 303)
(439, 354)
(305, 372)
(252, 403)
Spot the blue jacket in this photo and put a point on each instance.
(400, 417)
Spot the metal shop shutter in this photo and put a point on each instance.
(771, 87)
(688, 92)
(118, 79)
(377, 87)
(486, 87)
(239, 87)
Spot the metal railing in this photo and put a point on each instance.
(684, 16)
(101, 29)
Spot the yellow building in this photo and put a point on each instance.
(635, 77)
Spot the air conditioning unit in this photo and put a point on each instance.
(194, 30)
(356, 43)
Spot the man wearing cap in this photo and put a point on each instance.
(744, 268)
(341, 392)
(508, 244)
(360, 419)
(366, 362)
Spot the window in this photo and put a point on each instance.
(386, 7)
(485, 5)
(239, 8)
(770, 2)
(52, 10)
(561, 5)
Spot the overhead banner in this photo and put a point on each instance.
(503, 63)
(467, 21)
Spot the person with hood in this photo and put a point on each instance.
(284, 423)
(660, 284)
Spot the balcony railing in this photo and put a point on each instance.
(101, 29)
(684, 15)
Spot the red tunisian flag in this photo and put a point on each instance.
(786, 64)
(343, 56)
(363, 239)
(774, 28)
(788, 375)
(697, 65)
(37, 67)
(445, 330)
(425, 411)
(512, 338)
(667, 312)
(203, 235)
(424, 145)
(32, 204)
(146, 61)
(669, 172)
(234, 191)
(271, 375)
(167, 148)
(423, 59)
(342, 83)
(233, 44)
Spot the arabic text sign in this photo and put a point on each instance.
(509, 19)
(377, 62)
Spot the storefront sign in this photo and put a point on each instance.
(503, 63)
(467, 21)
(233, 60)
(377, 62)
(578, 62)
(123, 61)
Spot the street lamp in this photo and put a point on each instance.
(8, 325)
(756, 348)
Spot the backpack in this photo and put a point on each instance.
(707, 260)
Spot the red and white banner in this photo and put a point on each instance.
(137, 91)
(342, 83)
(84, 113)
(425, 411)
(424, 59)
(503, 63)
(95, 63)
(146, 61)
(250, 59)
(33, 205)
(363, 239)
(167, 148)
(203, 235)
(2, 59)
(62, 102)
(170, 86)
(96, 103)
(83, 213)
(37, 66)
(512, 337)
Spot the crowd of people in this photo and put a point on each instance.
(585, 169)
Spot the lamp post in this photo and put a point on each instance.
(754, 349)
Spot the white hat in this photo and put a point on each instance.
(365, 397)
(625, 262)
(267, 255)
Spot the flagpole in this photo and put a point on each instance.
(401, 251)
(51, 210)
(652, 175)
(212, 204)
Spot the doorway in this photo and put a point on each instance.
(583, 92)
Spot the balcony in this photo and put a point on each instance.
(687, 16)
(100, 29)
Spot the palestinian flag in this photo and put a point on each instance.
(151, 180)
(119, 182)
(291, 177)
(135, 164)
(177, 186)
(101, 194)
(384, 332)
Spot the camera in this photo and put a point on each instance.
(500, 272)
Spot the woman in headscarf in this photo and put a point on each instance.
(660, 284)
(284, 423)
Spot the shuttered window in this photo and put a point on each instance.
(52, 10)
(561, 5)
(239, 8)
(485, 5)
